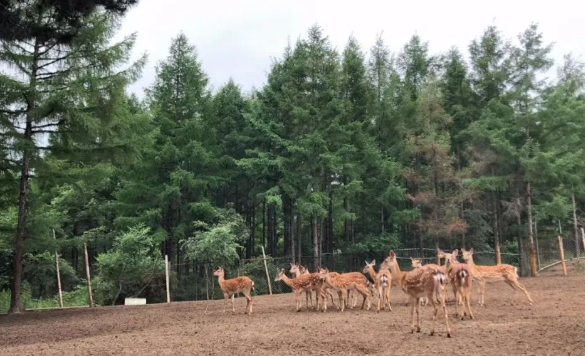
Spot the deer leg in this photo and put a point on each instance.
(417, 303)
(466, 300)
(344, 298)
(444, 305)
(481, 292)
(380, 297)
(413, 301)
(387, 296)
(233, 306)
(522, 288)
(435, 311)
(248, 302)
(226, 298)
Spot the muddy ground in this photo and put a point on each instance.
(554, 325)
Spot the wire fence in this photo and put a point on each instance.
(190, 280)
(549, 251)
(200, 284)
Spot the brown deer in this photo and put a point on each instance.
(230, 287)
(428, 281)
(305, 283)
(382, 284)
(298, 271)
(343, 283)
(417, 263)
(461, 279)
(495, 273)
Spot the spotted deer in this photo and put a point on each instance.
(495, 273)
(305, 283)
(343, 283)
(417, 263)
(298, 271)
(429, 281)
(230, 287)
(461, 279)
(382, 284)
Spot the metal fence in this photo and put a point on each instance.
(196, 282)
(548, 251)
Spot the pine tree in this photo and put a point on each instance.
(70, 92)
(171, 186)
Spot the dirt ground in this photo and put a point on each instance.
(555, 325)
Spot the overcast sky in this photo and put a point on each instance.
(238, 39)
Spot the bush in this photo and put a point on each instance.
(130, 267)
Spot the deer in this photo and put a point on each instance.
(298, 271)
(230, 287)
(304, 283)
(502, 272)
(429, 281)
(343, 283)
(417, 263)
(382, 284)
(461, 279)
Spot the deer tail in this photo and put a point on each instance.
(440, 278)
(464, 277)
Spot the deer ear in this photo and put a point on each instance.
(373, 262)
(455, 252)
(471, 250)
(367, 262)
(392, 254)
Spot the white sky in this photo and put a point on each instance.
(238, 39)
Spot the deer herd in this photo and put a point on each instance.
(424, 285)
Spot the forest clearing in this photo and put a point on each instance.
(552, 326)
(174, 153)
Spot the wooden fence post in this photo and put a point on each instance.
(87, 275)
(583, 238)
(167, 278)
(266, 269)
(58, 273)
(562, 253)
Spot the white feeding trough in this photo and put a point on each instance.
(135, 301)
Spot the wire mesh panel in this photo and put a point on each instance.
(193, 281)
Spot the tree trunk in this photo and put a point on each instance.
(346, 222)
(316, 242)
(287, 224)
(575, 227)
(498, 256)
(292, 231)
(330, 225)
(299, 237)
(253, 230)
(264, 223)
(519, 238)
(272, 229)
(29, 145)
(382, 227)
(533, 268)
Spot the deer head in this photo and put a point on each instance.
(219, 272)
(416, 262)
(280, 275)
(467, 255)
(294, 269)
(389, 262)
(323, 272)
(368, 266)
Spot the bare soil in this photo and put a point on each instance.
(554, 325)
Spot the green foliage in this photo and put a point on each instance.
(132, 264)
(374, 244)
(218, 244)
